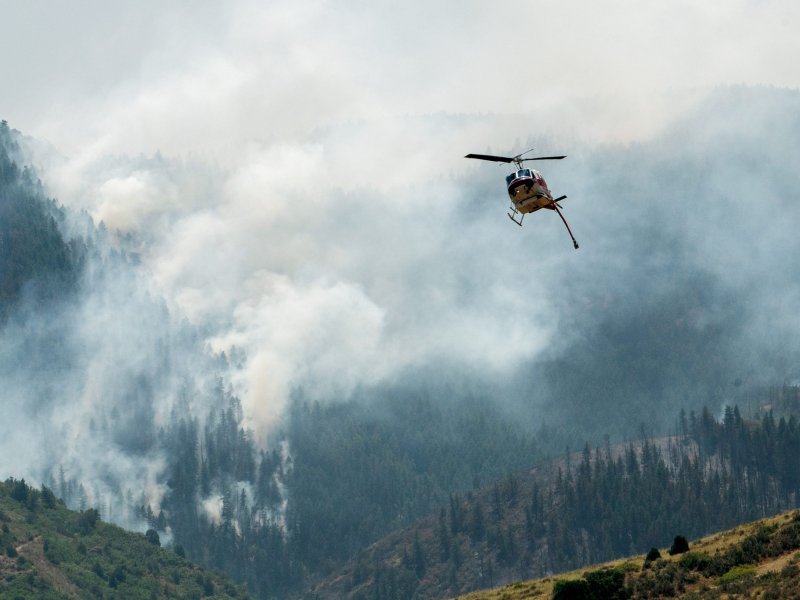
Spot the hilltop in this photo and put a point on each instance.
(49, 551)
(756, 560)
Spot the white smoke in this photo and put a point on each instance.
(292, 174)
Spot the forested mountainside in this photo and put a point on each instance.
(50, 552)
(34, 258)
(588, 507)
(164, 444)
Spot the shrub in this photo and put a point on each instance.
(56, 551)
(571, 589)
(608, 584)
(652, 555)
(736, 573)
(679, 546)
(695, 561)
(667, 578)
(629, 566)
(752, 548)
(786, 539)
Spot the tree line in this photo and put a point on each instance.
(596, 505)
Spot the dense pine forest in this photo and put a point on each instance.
(338, 476)
(589, 507)
(35, 260)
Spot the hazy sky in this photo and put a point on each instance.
(195, 76)
(304, 205)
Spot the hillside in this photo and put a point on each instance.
(585, 508)
(756, 560)
(49, 551)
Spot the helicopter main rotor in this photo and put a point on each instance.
(517, 160)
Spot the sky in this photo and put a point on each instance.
(294, 170)
(206, 77)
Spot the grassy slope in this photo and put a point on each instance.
(776, 576)
(51, 552)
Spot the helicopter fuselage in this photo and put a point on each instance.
(528, 191)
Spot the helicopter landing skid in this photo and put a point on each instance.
(516, 212)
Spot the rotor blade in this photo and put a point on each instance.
(503, 159)
(545, 158)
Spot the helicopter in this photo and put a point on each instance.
(527, 188)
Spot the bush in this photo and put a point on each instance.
(652, 555)
(608, 584)
(571, 589)
(786, 539)
(695, 561)
(736, 573)
(679, 546)
(629, 566)
(665, 580)
(56, 551)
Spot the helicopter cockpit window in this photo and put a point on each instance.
(524, 173)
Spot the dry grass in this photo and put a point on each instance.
(543, 588)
